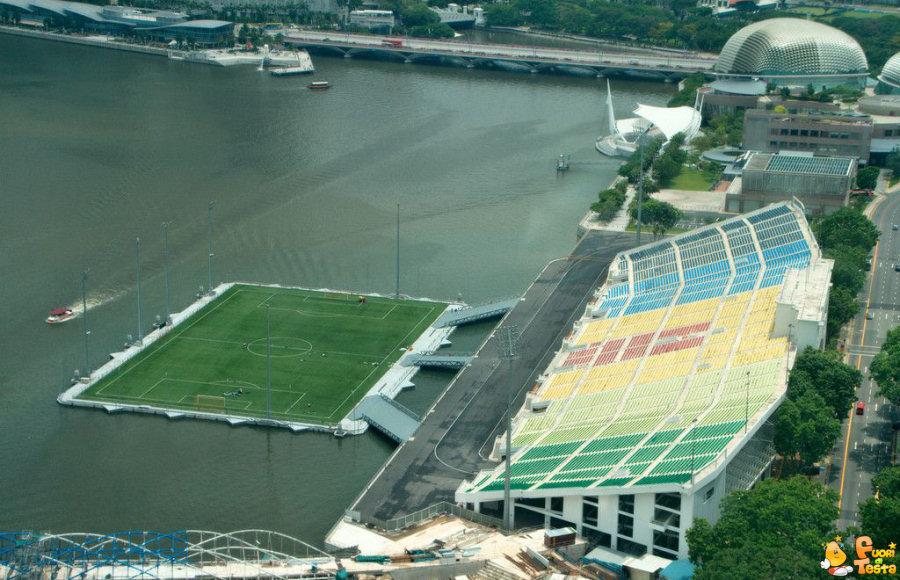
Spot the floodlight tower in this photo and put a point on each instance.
(397, 291)
(166, 238)
(209, 255)
(268, 367)
(87, 359)
(508, 338)
(140, 336)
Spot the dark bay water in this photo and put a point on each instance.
(99, 147)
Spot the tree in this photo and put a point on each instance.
(885, 367)
(660, 215)
(786, 520)
(892, 162)
(887, 482)
(850, 266)
(842, 307)
(867, 177)
(665, 169)
(825, 374)
(880, 518)
(805, 428)
(847, 227)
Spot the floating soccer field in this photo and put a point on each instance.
(325, 351)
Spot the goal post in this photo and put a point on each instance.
(339, 296)
(210, 404)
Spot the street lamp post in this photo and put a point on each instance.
(268, 367)
(693, 448)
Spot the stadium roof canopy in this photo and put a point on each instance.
(681, 357)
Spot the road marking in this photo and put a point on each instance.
(858, 364)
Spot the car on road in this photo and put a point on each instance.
(894, 227)
(870, 316)
(860, 408)
(896, 267)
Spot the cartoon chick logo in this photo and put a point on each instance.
(835, 558)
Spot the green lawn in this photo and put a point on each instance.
(327, 350)
(691, 180)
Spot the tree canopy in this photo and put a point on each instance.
(805, 428)
(825, 374)
(867, 177)
(885, 367)
(787, 520)
(847, 227)
(880, 518)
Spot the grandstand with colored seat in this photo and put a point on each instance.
(660, 401)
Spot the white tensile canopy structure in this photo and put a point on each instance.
(664, 121)
(671, 121)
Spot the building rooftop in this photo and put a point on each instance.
(802, 290)
(811, 165)
(673, 366)
(791, 46)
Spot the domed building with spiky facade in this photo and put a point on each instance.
(794, 52)
(889, 79)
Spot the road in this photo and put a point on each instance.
(642, 60)
(458, 432)
(864, 448)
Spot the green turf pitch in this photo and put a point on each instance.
(327, 350)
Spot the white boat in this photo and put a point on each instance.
(59, 315)
(286, 71)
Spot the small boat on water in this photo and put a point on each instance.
(59, 315)
(319, 85)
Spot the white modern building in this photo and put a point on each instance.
(793, 52)
(659, 402)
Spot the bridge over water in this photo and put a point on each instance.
(660, 66)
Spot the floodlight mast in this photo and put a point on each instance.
(140, 336)
(509, 350)
(87, 359)
(166, 245)
(209, 256)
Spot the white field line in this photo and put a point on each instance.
(390, 352)
(188, 327)
(295, 402)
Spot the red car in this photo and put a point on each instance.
(860, 408)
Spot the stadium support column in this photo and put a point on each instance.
(397, 292)
(268, 367)
(509, 350)
(87, 359)
(747, 404)
(209, 255)
(140, 335)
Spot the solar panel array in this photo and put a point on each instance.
(664, 381)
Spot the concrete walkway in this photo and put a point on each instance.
(458, 432)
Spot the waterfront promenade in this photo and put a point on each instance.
(663, 65)
(458, 432)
